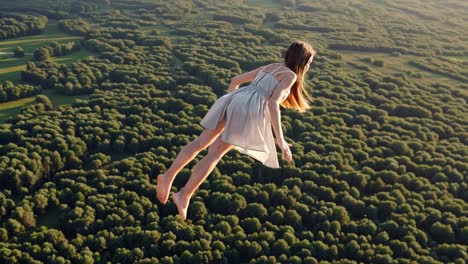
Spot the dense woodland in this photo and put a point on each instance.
(16, 25)
(380, 161)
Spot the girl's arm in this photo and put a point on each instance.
(279, 95)
(243, 78)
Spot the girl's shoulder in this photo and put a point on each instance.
(277, 67)
(282, 68)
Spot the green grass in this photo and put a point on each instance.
(457, 58)
(163, 29)
(61, 99)
(31, 43)
(73, 56)
(263, 4)
(13, 108)
(10, 67)
(393, 64)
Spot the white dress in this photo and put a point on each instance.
(248, 124)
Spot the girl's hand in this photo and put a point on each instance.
(285, 151)
(232, 87)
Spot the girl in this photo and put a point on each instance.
(243, 119)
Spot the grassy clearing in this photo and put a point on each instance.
(457, 58)
(393, 64)
(198, 16)
(61, 99)
(263, 4)
(13, 108)
(31, 43)
(163, 29)
(72, 57)
(10, 67)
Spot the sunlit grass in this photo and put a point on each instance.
(11, 73)
(10, 67)
(394, 64)
(13, 108)
(263, 3)
(62, 99)
(72, 57)
(31, 43)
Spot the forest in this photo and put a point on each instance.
(97, 97)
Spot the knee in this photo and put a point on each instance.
(214, 151)
(213, 156)
(217, 150)
(198, 144)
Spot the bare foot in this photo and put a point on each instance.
(162, 188)
(181, 202)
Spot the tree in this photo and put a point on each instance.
(19, 52)
(43, 99)
(292, 218)
(452, 251)
(251, 224)
(442, 232)
(134, 145)
(401, 148)
(340, 214)
(404, 110)
(41, 54)
(351, 249)
(198, 211)
(276, 218)
(320, 249)
(137, 210)
(186, 257)
(249, 250)
(254, 210)
(378, 63)
(325, 193)
(14, 227)
(280, 247)
(3, 234)
(119, 144)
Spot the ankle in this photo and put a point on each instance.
(184, 193)
(167, 176)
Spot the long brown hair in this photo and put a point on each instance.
(296, 58)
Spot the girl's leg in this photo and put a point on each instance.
(199, 173)
(188, 153)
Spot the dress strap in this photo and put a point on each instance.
(278, 71)
(281, 72)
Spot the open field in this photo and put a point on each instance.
(11, 67)
(394, 64)
(271, 4)
(30, 43)
(12, 108)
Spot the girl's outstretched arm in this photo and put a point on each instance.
(243, 78)
(277, 97)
